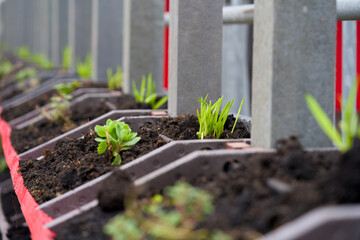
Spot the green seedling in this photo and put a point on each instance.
(5, 68)
(116, 80)
(211, 121)
(84, 69)
(116, 137)
(349, 126)
(66, 88)
(174, 216)
(24, 53)
(66, 59)
(150, 91)
(42, 61)
(60, 109)
(25, 74)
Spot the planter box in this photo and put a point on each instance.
(336, 222)
(36, 112)
(25, 96)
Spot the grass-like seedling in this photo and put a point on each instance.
(66, 58)
(174, 216)
(84, 69)
(211, 121)
(42, 61)
(149, 88)
(116, 137)
(115, 81)
(24, 53)
(349, 126)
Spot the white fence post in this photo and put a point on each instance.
(143, 41)
(195, 53)
(107, 37)
(294, 54)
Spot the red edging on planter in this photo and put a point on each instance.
(35, 218)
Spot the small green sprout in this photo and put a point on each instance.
(84, 69)
(6, 67)
(42, 61)
(349, 125)
(116, 137)
(66, 58)
(174, 216)
(60, 109)
(24, 53)
(67, 88)
(211, 121)
(151, 96)
(116, 80)
(25, 74)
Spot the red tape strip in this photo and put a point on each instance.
(35, 218)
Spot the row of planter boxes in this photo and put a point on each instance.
(187, 159)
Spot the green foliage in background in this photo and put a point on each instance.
(115, 81)
(84, 69)
(349, 126)
(66, 58)
(149, 88)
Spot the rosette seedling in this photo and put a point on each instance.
(42, 61)
(211, 121)
(349, 126)
(116, 137)
(6, 67)
(24, 53)
(147, 93)
(84, 69)
(174, 216)
(66, 88)
(115, 80)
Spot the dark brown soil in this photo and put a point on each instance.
(248, 203)
(29, 137)
(185, 128)
(75, 162)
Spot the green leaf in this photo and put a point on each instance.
(132, 142)
(102, 147)
(324, 122)
(100, 130)
(117, 160)
(161, 102)
(238, 114)
(151, 99)
(100, 140)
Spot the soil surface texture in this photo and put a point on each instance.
(185, 128)
(250, 197)
(29, 137)
(75, 162)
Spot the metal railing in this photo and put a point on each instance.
(347, 10)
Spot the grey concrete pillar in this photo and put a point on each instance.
(107, 37)
(294, 54)
(79, 29)
(59, 29)
(41, 27)
(143, 41)
(28, 23)
(195, 53)
(13, 28)
(235, 64)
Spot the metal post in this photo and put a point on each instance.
(143, 42)
(294, 54)
(195, 53)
